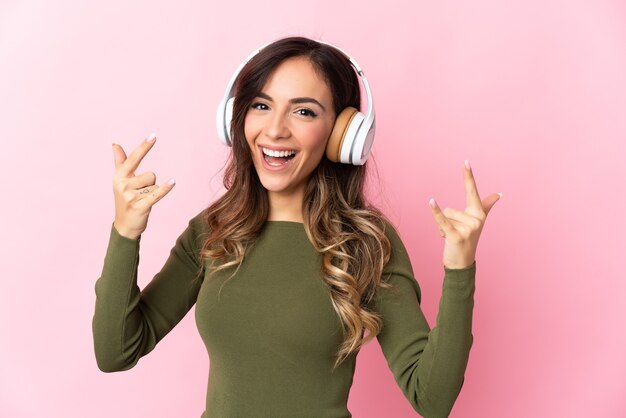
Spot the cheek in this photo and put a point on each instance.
(249, 130)
(318, 139)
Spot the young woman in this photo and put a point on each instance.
(291, 270)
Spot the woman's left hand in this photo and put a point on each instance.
(462, 229)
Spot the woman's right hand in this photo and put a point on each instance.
(135, 195)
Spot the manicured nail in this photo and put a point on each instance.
(467, 164)
(151, 138)
(171, 182)
(432, 202)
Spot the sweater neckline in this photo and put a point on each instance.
(287, 224)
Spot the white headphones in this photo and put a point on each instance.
(353, 134)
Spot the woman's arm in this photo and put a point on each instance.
(128, 323)
(428, 365)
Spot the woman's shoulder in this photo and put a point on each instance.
(197, 229)
(399, 257)
(398, 271)
(199, 220)
(393, 234)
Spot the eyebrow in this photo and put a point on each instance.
(295, 100)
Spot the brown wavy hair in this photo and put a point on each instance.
(341, 225)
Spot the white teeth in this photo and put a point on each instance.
(273, 153)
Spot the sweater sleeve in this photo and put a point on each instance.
(428, 365)
(128, 323)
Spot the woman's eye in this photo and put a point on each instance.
(259, 106)
(306, 112)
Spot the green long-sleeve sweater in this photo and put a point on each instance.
(272, 333)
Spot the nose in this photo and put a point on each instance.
(277, 126)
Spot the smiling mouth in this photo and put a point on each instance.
(277, 158)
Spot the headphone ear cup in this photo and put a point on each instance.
(228, 117)
(338, 135)
(224, 116)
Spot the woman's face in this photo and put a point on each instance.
(287, 126)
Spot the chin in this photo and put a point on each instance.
(275, 186)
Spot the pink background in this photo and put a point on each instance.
(532, 92)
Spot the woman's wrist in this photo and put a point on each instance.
(459, 266)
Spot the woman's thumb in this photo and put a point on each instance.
(119, 156)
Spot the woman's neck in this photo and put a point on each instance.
(286, 207)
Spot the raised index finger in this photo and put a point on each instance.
(132, 162)
(472, 199)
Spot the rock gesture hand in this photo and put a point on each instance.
(461, 229)
(135, 194)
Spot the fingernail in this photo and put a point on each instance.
(500, 194)
(467, 164)
(171, 182)
(151, 138)
(112, 144)
(432, 202)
